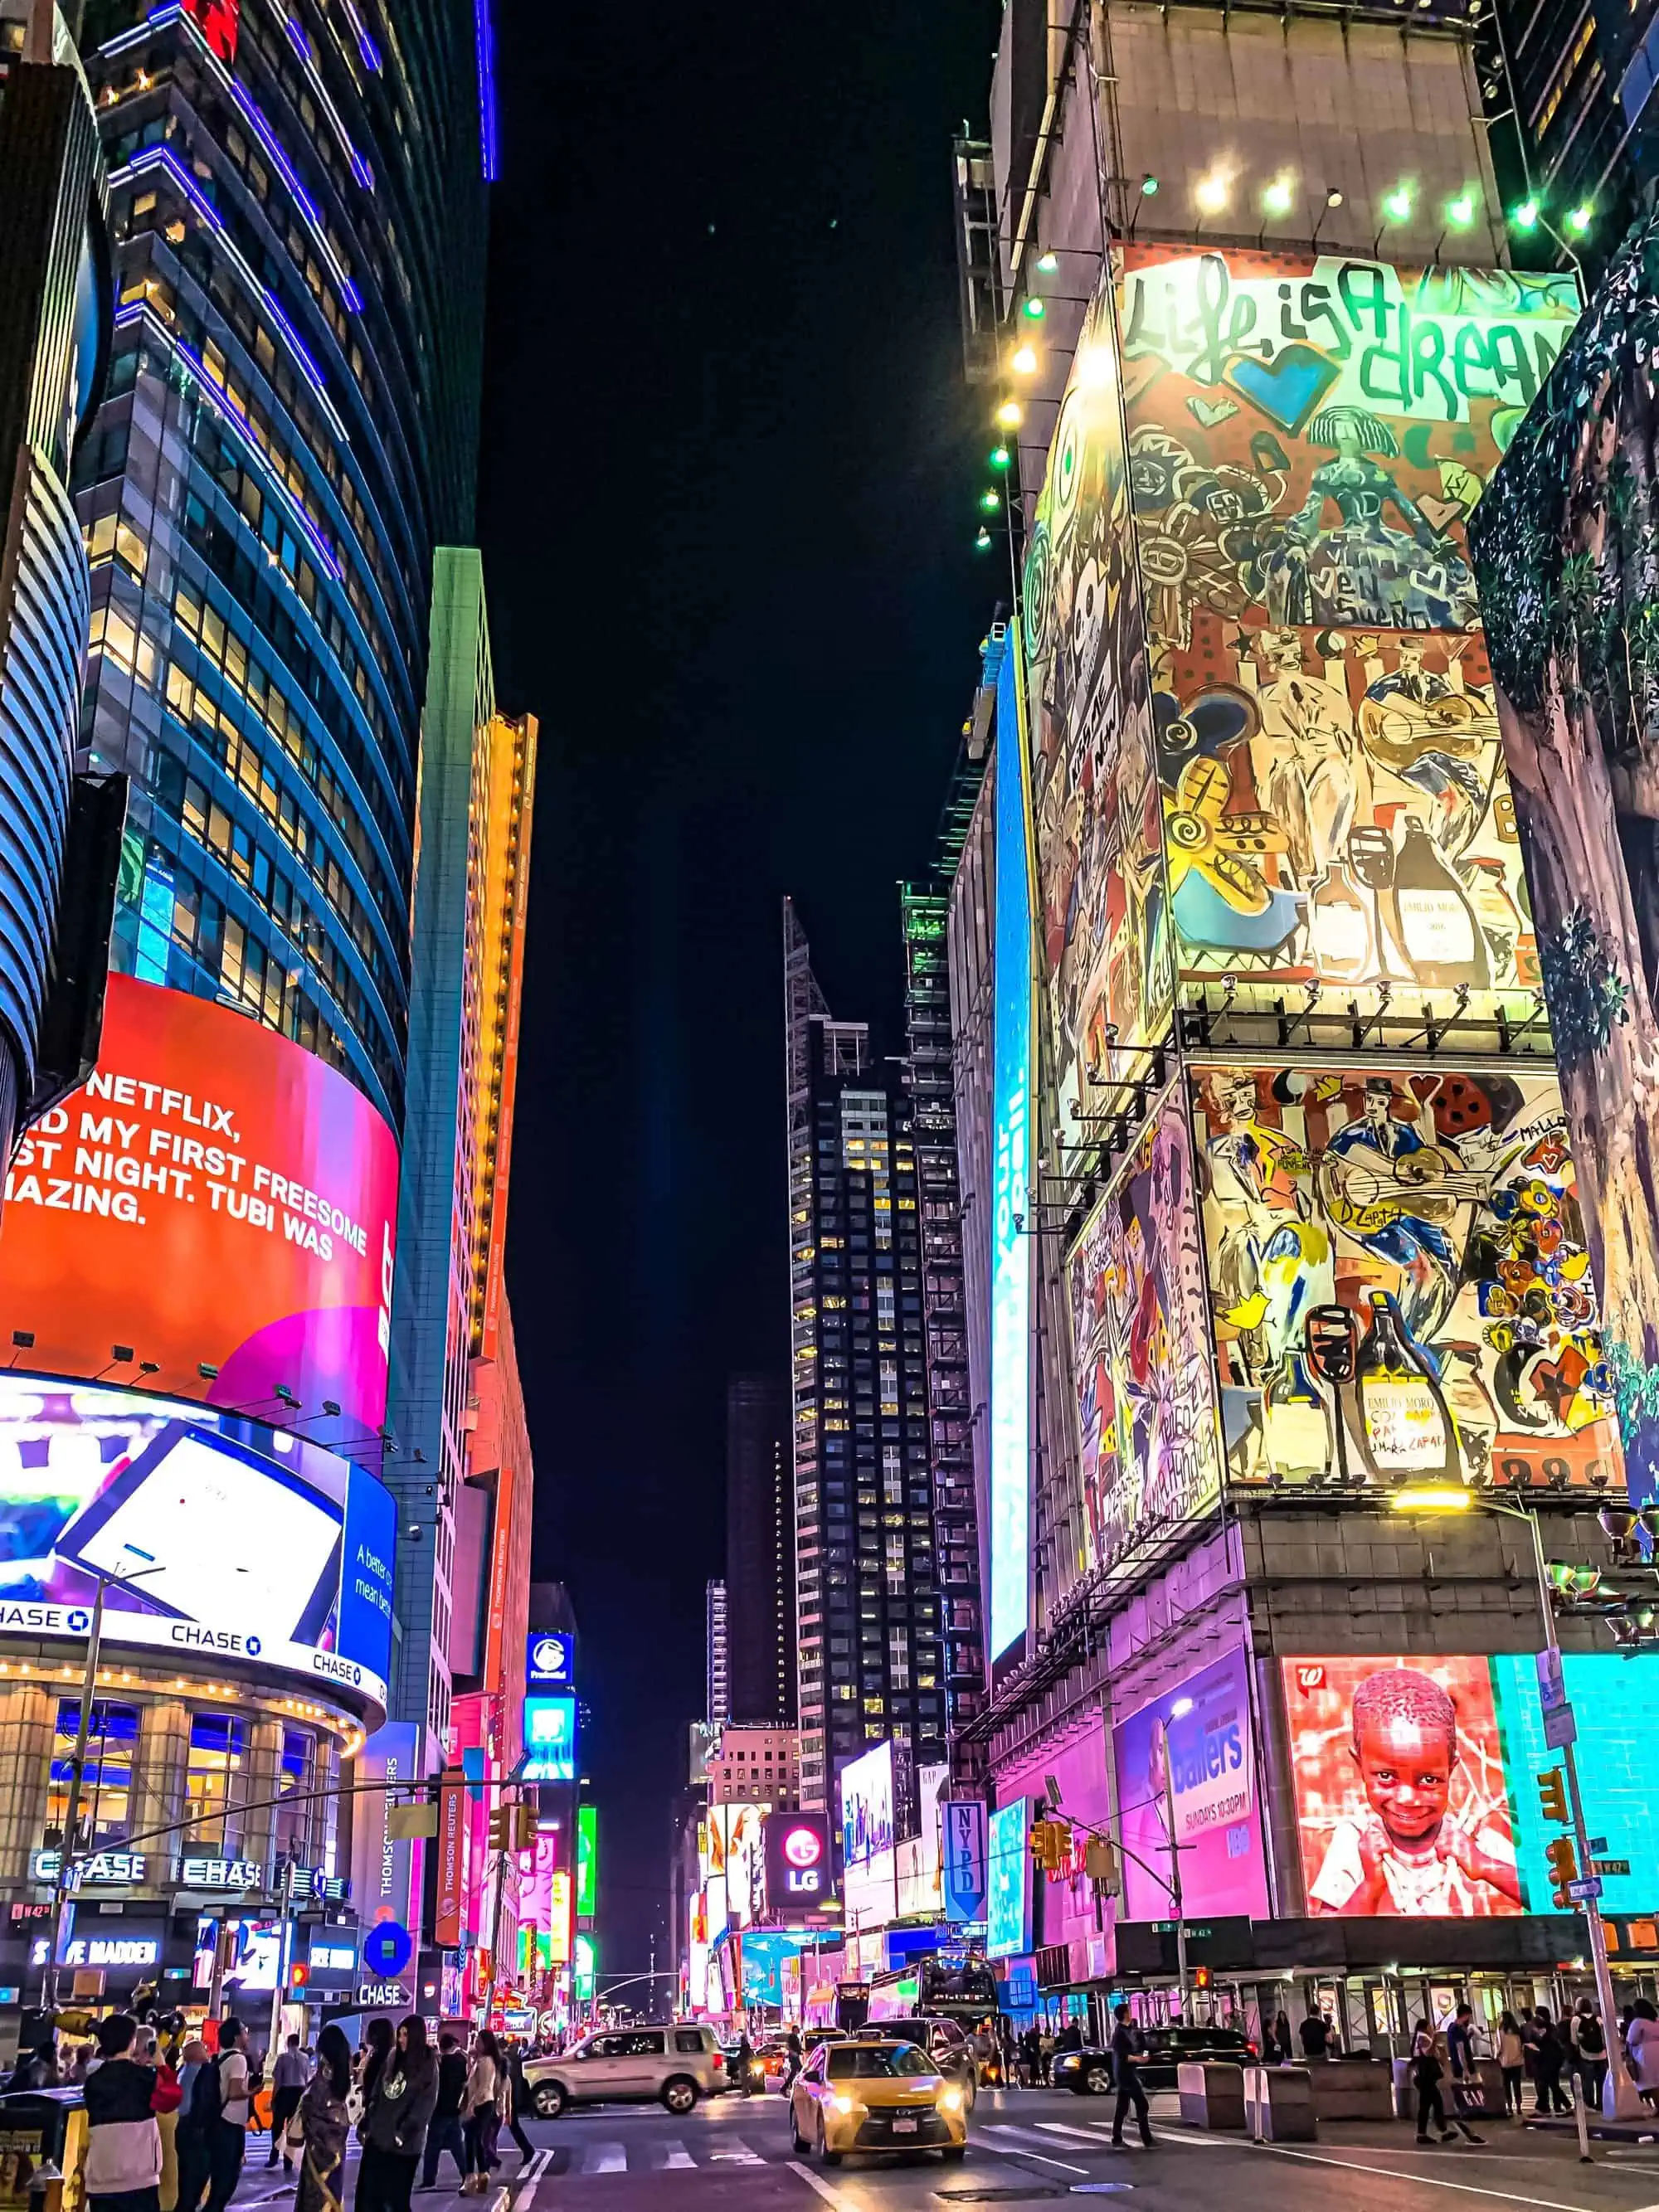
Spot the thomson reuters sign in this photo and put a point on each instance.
(800, 1875)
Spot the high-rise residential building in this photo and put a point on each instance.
(751, 1766)
(477, 787)
(1231, 989)
(1575, 133)
(868, 1592)
(760, 1549)
(717, 1655)
(298, 202)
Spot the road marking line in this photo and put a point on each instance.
(1014, 2150)
(678, 2157)
(606, 2158)
(1065, 2128)
(816, 2181)
(1425, 2180)
(741, 2156)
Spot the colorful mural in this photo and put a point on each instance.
(1146, 1384)
(1094, 788)
(1399, 1280)
(1306, 442)
(1566, 545)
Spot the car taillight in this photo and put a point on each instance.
(720, 2061)
(1254, 2052)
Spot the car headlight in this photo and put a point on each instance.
(950, 2100)
(843, 2104)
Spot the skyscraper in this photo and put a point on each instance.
(717, 1682)
(760, 1549)
(297, 202)
(867, 1591)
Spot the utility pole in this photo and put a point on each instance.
(283, 1930)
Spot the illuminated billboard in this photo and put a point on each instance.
(219, 1202)
(1563, 544)
(1615, 1703)
(216, 1538)
(800, 1875)
(1189, 1758)
(550, 1660)
(1145, 1383)
(1431, 1219)
(549, 1739)
(1307, 439)
(868, 1839)
(1008, 1900)
(587, 1859)
(1011, 1247)
(1401, 1800)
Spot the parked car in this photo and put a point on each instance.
(1089, 2072)
(942, 2039)
(673, 2065)
(875, 2094)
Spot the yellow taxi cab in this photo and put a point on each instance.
(873, 2096)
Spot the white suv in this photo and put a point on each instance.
(630, 2065)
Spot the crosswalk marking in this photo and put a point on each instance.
(1078, 2134)
(606, 2158)
(741, 2156)
(678, 2157)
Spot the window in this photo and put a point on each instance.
(216, 1755)
(104, 1816)
(645, 2042)
(290, 1824)
(689, 2039)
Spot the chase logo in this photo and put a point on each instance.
(251, 1646)
(80, 1621)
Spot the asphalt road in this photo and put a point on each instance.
(1029, 2147)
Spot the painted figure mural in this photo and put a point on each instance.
(1430, 1217)
(1565, 543)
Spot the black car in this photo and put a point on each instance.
(943, 2042)
(1089, 2072)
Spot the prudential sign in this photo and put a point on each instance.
(1011, 1248)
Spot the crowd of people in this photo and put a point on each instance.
(169, 2120)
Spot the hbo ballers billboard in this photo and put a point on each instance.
(216, 1198)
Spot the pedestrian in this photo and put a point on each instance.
(123, 2169)
(516, 2100)
(792, 2058)
(1030, 2057)
(36, 2067)
(1427, 2072)
(287, 2085)
(164, 2103)
(1128, 2048)
(1468, 2090)
(192, 2144)
(481, 2112)
(394, 2130)
(444, 2130)
(1642, 2045)
(1590, 2051)
(220, 2097)
(1511, 2063)
(1282, 2044)
(1069, 2036)
(1549, 2056)
(742, 2063)
(377, 2049)
(1315, 2035)
(325, 2121)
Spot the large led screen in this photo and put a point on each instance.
(1307, 439)
(1401, 1799)
(1094, 783)
(1010, 1248)
(868, 1839)
(549, 1739)
(1145, 1381)
(1188, 1760)
(218, 1201)
(1615, 1703)
(217, 1538)
(1439, 1211)
(1008, 1898)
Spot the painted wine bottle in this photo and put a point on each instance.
(1406, 1427)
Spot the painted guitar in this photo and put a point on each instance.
(1366, 1193)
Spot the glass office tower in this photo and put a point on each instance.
(297, 202)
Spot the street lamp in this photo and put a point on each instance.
(1620, 2099)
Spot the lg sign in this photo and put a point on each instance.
(799, 1880)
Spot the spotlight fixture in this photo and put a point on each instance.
(1010, 414)
(1460, 212)
(989, 501)
(23, 1339)
(1025, 361)
(1278, 198)
(1333, 197)
(1397, 204)
(1149, 188)
(1047, 263)
(1034, 309)
(207, 1371)
(982, 543)
(1525, 218)
(1212, 194)
(1580, 218)
(1000, 457)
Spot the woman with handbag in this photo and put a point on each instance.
(325, 2123)
(481, 2112)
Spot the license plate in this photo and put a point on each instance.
(904, 2127)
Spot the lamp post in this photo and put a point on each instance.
(1178, 1711)
(1620, 2099)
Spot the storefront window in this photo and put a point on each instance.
(103, 1819)
(216, 1755)
(291, 1822)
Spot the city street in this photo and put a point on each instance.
(1029, 2148)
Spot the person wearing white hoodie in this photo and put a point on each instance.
(123, 2170)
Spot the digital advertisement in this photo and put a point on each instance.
(1432, 1221)
(1186, 1764)
(1008, 1900)
(221, 1201)
(549, 1739)
(1307, 441)
(207, 1546)
(801, 1875)
(869, 1870)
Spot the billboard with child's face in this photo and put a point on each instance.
(1402, 1802)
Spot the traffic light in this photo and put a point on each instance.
(1051, 1845)
(1552, 1795)
(299, 1973)
(501, 1828)
(525, 1827)
(1200, 1978)
(1564, 1869)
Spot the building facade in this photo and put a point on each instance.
(1220, 970)
(717, 1655)
(867, 1591)
(760, 1551)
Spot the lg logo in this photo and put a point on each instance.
(802, 1847)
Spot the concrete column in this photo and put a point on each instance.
(28, 1712)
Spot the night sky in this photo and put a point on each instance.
(727, 508)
